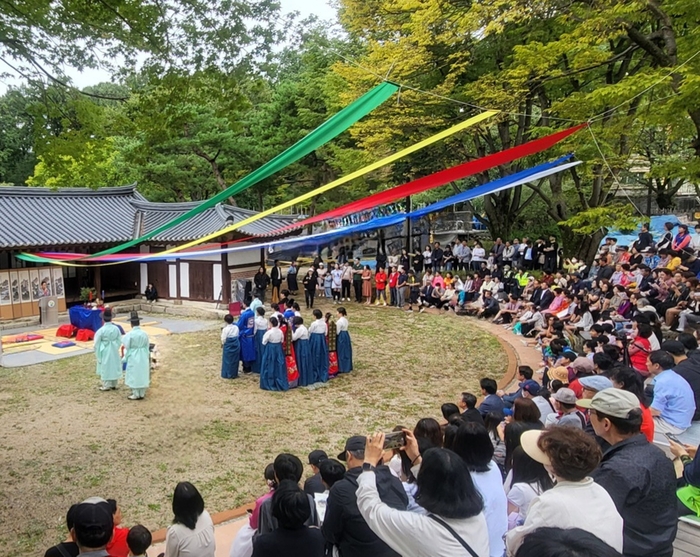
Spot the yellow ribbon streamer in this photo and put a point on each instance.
(340, 181)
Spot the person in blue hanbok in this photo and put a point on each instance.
(246, 328)
(319, 348)
(108, 339)
(137, 359)
(231, 349)
(289, 310)
(273, 372)
(343, 343)
(302, 351)
(261, 326)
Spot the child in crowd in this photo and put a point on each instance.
(138, 540)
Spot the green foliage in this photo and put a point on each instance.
(619, 216)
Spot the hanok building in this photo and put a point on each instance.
(86, 221)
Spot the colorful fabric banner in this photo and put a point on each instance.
(321, 135)
(529, 175)
(340, 181)
(439, 178)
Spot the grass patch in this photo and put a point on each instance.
(62, 440)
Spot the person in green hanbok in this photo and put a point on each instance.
(108, 340)
(137, 359)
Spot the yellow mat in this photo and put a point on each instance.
(53, 350)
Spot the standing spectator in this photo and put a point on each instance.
(192, 532)
(357, 279)
(454, 524)
(437, 256)
(310, 283)
(292, 283)
(473, 445)
(492, 402)
(380, 280)
(343, 525)
(401, 283)
(276, 281)
(292, 510)
(673, 405)
(636, 474)
(314, 484)
(347, 278)
(575, 501)
(367, 285)
(261, 280)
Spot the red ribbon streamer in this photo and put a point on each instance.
(439, 178)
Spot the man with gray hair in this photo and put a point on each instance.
(343, 524)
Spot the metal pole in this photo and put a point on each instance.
(409, 236)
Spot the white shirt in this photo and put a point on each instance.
(261, 324)
(274, 336)
(300, 333)
(341, 324)
(427, 257)
(478, 254)
(180, 541)
(318, 327)
(544, 407)
(584, 505)
(229, 331)
(490, 485)
(337, 276)
(521, 495)
(695, 242)
(415, 535)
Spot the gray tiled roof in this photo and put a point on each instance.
(31, 217)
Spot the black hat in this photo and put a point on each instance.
(355, 443)
(135, 319)
(93, 522)
(315, 457)
(673, 347)
(107, 314)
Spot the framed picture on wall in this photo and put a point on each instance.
(14, 287)
(5, 299)
(58, 290)
(34, 284)
(24, 286)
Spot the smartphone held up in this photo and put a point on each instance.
(394, 440)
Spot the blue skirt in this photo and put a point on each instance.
(259, 351)
(273, 371)
(344, 350)
(230, 358)
(302, 351)
(319, 357)
(248, 348)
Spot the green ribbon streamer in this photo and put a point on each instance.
(321, 135)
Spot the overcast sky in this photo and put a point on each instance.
(320, 8)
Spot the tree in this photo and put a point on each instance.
(17, 157)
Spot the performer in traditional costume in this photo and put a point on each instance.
(136, 357)
(302, 351)
(319, 348)
(288, 310)
(246, 328)
(290, 361)
(343, 343)
(331, 339)
(261, 326)
(108, 339)
(231, 349)
(273, 372)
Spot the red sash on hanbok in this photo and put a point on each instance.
(332, 354)
(289, 356)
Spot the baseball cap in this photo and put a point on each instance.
(673, 347)
(315, 457)
(567, 396)
(528, 441)
(531, 386)
(93, 522)
(354, 443)
(596, 383)
(613, 402)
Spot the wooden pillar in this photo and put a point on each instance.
(225, 278)
(408, 227)
(97, 281)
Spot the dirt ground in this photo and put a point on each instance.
(62, 440)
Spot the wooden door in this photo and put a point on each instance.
(202, 281)
(158, 276)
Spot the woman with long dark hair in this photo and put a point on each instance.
(192, 530)
(454, 524)
(261, 280)
(529, 479)
(526, 416)
(627, 379)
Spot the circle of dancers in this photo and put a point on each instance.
(284, 350)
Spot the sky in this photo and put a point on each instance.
(320, 8)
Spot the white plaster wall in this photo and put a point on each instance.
(249, 256)
(172, 281)
(143, 268)
(184, 279)
(218, 283)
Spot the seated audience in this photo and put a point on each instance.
(344, 526)
(636, 474)
(689, 494)
(93, 526)
(567, 413)
(561, 542)
(575, 501)
(192, 530)
(687, 368)
(524, 374)
(314, 484)
(455, 523)
(291, 509)
(65, 549)
(467, 405)
(528, 479)
(429, 429)
(139, 540)
(531, 390)
(492, 402)
(117, 547)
